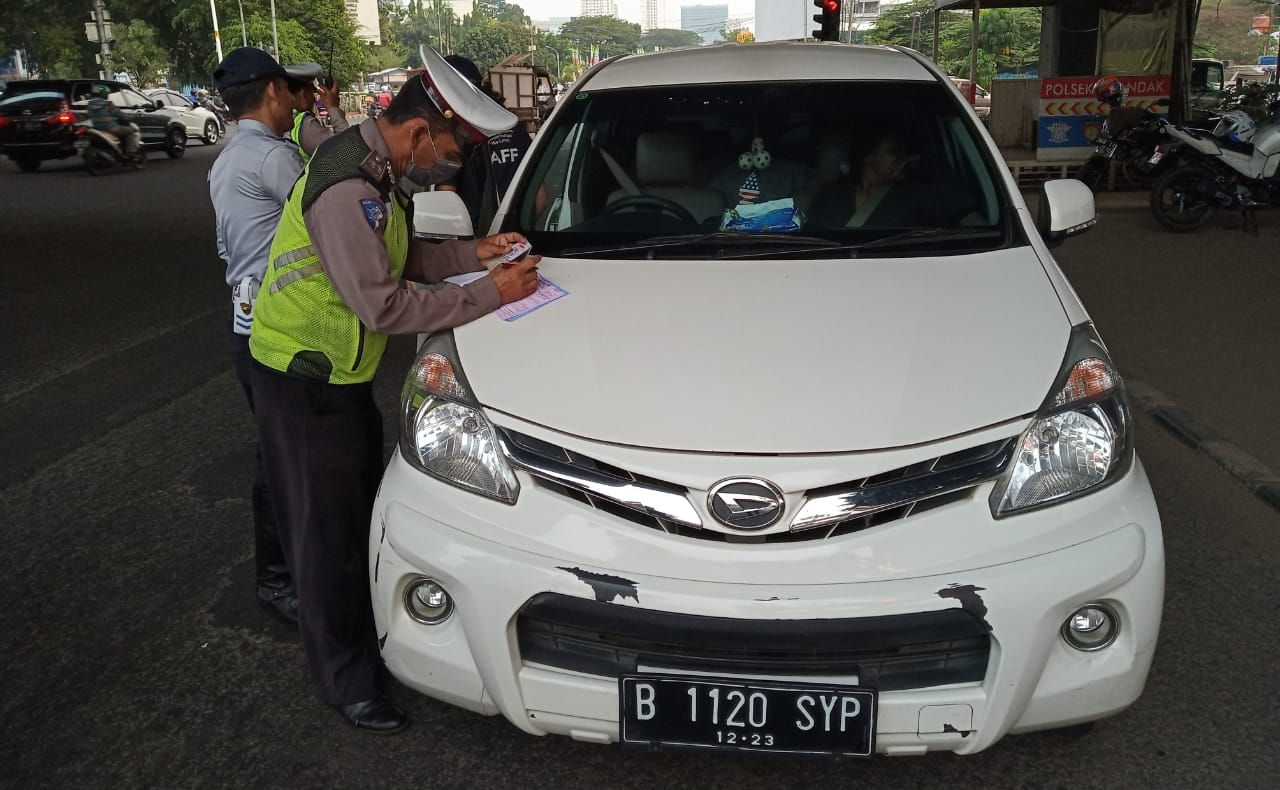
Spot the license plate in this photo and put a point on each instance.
(30, 126)
(81, 144)
(1156, 157)
(679, 712)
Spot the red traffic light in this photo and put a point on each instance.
(829, 20)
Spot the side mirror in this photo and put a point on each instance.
(157, 104)
(441, 215)
(1066, 209)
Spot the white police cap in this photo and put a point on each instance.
(455, 96)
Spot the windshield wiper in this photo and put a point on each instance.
(909, 238)
(713, 239)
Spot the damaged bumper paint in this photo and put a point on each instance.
(1017, 578)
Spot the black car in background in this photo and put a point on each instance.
(38, 119)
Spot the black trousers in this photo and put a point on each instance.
(322, 446)
(272, 570)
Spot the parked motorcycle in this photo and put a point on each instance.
(102, 152)
(1132, 136)
(1234, 167)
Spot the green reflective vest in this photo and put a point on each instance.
(295, 134)
(301, 326)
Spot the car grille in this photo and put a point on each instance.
(889, 653)
(850, 507)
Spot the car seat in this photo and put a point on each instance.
(832, 164)
(665, 168)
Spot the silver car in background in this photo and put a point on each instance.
(201, 124)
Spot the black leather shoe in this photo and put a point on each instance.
(281, 602)
(379, 716)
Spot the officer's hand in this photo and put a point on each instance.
(517, 280)
(328, 94)
(497, 245)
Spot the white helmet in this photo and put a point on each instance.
(1235, 125)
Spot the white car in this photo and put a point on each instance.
(202, 124)
(868, 486)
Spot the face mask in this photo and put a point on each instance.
(417, 178)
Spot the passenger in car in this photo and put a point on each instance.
(885, 190)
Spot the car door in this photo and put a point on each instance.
(193, 120)
(141, 111)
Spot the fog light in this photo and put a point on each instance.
(427, 602)
(1091, 627)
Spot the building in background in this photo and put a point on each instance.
(705, 20)
(551, 25)
(599, 8)
(365, 14)
(655, 13)
(783, 20)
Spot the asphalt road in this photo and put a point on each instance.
(132, 653)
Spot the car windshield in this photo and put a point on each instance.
(775, 166)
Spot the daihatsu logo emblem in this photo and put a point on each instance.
(745, 503)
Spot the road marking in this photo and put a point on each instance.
(1252, 473)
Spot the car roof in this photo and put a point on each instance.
(781, 61)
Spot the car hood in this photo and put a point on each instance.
(777, 356)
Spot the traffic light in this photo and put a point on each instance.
(829, 19)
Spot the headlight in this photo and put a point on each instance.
(443, 431)
(1080, 439)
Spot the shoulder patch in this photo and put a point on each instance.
(374, 212)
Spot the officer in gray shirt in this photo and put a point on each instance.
(249, 184)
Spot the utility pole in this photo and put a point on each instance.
(217, 35)
(98, 31)
(244, 34)
(275, 37)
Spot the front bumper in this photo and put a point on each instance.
(493, 559)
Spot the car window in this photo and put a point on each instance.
(1214, 80)
(178, 101)
(845, 161)
(81, 92)
(136, 100)
(33, 96)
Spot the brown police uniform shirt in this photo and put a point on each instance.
(313, 132)
(346, 229)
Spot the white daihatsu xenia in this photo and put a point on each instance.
(862, 481)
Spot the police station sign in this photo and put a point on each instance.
(1070, 117)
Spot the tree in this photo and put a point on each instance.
(499, 11)
(612, 35)
(51, 35)
(487, 42)
(667, 38)
(138, 53)
(295, 44)
(1011, 37)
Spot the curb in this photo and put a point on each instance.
(1261, 481)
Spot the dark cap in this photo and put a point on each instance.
(466, 67)
(244, 65)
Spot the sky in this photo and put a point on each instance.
(633, 10)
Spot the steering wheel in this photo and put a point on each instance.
(668, 207)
